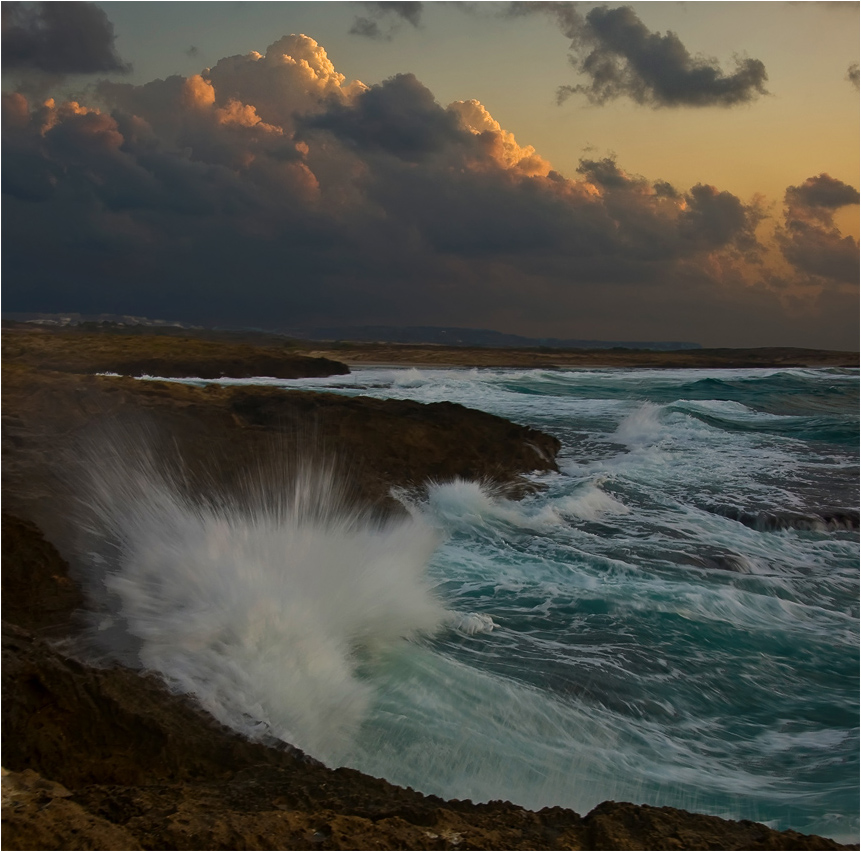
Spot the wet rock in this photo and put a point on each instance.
(769, 520)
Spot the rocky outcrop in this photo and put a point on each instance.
(53, 422)
(38, 593)
(76, 351)
(763, 520)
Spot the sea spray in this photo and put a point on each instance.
(266, 602)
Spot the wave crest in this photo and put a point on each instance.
(263, 604)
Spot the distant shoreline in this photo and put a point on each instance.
(97, 348)
(359, 356)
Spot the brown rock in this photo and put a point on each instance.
(217, 435)
(38, 814)
(37, 590)
(76, 351)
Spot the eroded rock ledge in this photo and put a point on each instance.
(76, 351)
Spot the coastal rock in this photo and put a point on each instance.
(37, 590)
(108, 756)
(826, 520)
(162, 355)
(38, 814)
(56, 424)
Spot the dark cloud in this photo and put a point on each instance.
(822, 192)
(394, 13)
(270, 191)
(59, 38)
(665, 190)
(622, 58)
(713, 219)
(853, 75)
(400, 117)
(604, 172)
(810, 240)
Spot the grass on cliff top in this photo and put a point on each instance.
(88, 351)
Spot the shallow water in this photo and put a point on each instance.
(675, 614)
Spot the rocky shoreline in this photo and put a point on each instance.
(104, 757)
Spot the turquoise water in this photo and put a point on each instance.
(675, 611)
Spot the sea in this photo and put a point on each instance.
(671, 619)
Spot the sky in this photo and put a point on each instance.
(644, 171)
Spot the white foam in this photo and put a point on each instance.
(471, 623)
(641, 427)
(468, 503)
(590, 503)
(264, 607)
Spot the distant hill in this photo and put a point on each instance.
(416, 334)
(449, 336)
(64, 320)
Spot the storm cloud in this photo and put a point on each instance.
(268, 190)
(58, 38)
(810, 240)
(392, 12)
(621, 58)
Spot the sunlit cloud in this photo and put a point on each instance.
(269, 189)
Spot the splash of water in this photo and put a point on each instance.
(264, 604)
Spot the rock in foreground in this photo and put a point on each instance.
(106, 759)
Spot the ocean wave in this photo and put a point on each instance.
(264, 605)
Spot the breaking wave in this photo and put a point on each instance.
(266, 605)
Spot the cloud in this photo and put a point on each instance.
(622, 58)
(59, 38)
(369, 27)
(270, 191)
(400, 117)
(810, 240)
(497, 143)
(853, 75)
(819, 196)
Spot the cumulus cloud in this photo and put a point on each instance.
(269, 190)
(498, 144)
(400, 117)
(394, 13)
(59, 38)
(621, 58)
(810, 240)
